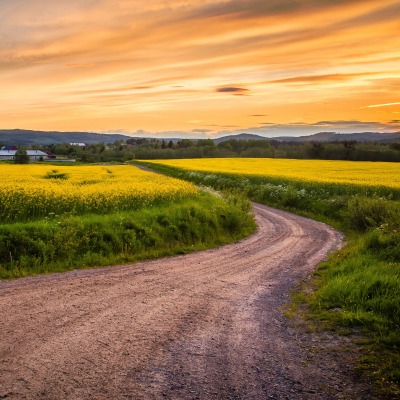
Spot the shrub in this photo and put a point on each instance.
(363, 213)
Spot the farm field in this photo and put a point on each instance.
(58, 218)
(316, 171)
(359, 286)
(36, 191)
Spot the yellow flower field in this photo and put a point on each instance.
(321, 171)
(33, 191)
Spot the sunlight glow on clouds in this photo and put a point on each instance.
(383, 105)
(158, 65)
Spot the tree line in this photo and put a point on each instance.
(142, 148)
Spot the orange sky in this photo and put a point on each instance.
(200, 67)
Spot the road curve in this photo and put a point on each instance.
(207, 325)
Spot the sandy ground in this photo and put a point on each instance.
(208, 325)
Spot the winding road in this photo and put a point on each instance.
(207, 325)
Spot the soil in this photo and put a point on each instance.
(208, 325)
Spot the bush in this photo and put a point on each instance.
(363, 213)
(55, 174)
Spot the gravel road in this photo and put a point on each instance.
(207, 325)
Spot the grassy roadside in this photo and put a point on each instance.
(56, 244)
(359, 286)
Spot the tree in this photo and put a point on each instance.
(395, 146)
(205, 142)
(21, 157)
(184, 143)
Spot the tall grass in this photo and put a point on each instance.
(67, 242)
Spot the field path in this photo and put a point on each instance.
(207, 325)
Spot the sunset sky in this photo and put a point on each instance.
(200, 68)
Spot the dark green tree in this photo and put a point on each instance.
(21, 157)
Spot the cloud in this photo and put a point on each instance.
(321, 78)
(355, 125)
(250, 9)
(343, 122)
(201, 130)
(117, 89)
(81, 65)
(383, 105)
(120, 131)
(377, 15)
(232, 89)
(223, 126)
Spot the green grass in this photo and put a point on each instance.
(67, 242)
(359, 287)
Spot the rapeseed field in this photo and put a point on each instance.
(319, 171)
(37, 191)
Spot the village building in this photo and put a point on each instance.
(78, 144)
(9, 148)
(34, 155)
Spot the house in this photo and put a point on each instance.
(78, 144)
(9, 148)
(7, 154)
(37, 155)
(33, 155)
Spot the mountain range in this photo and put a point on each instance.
(30, 137)
(322, 137)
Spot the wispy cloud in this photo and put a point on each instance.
(82, 65)
(201, 130)
(383, 105)
(323, 78)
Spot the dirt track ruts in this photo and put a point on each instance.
(207, 325)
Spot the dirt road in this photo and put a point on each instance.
(208, 325)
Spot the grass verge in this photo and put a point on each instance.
(67, 242)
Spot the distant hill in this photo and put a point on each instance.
(322, 137)
(28, 137)
(339, 137)
(241, 136)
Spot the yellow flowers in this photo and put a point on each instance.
(322, 171)
(34, 191)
